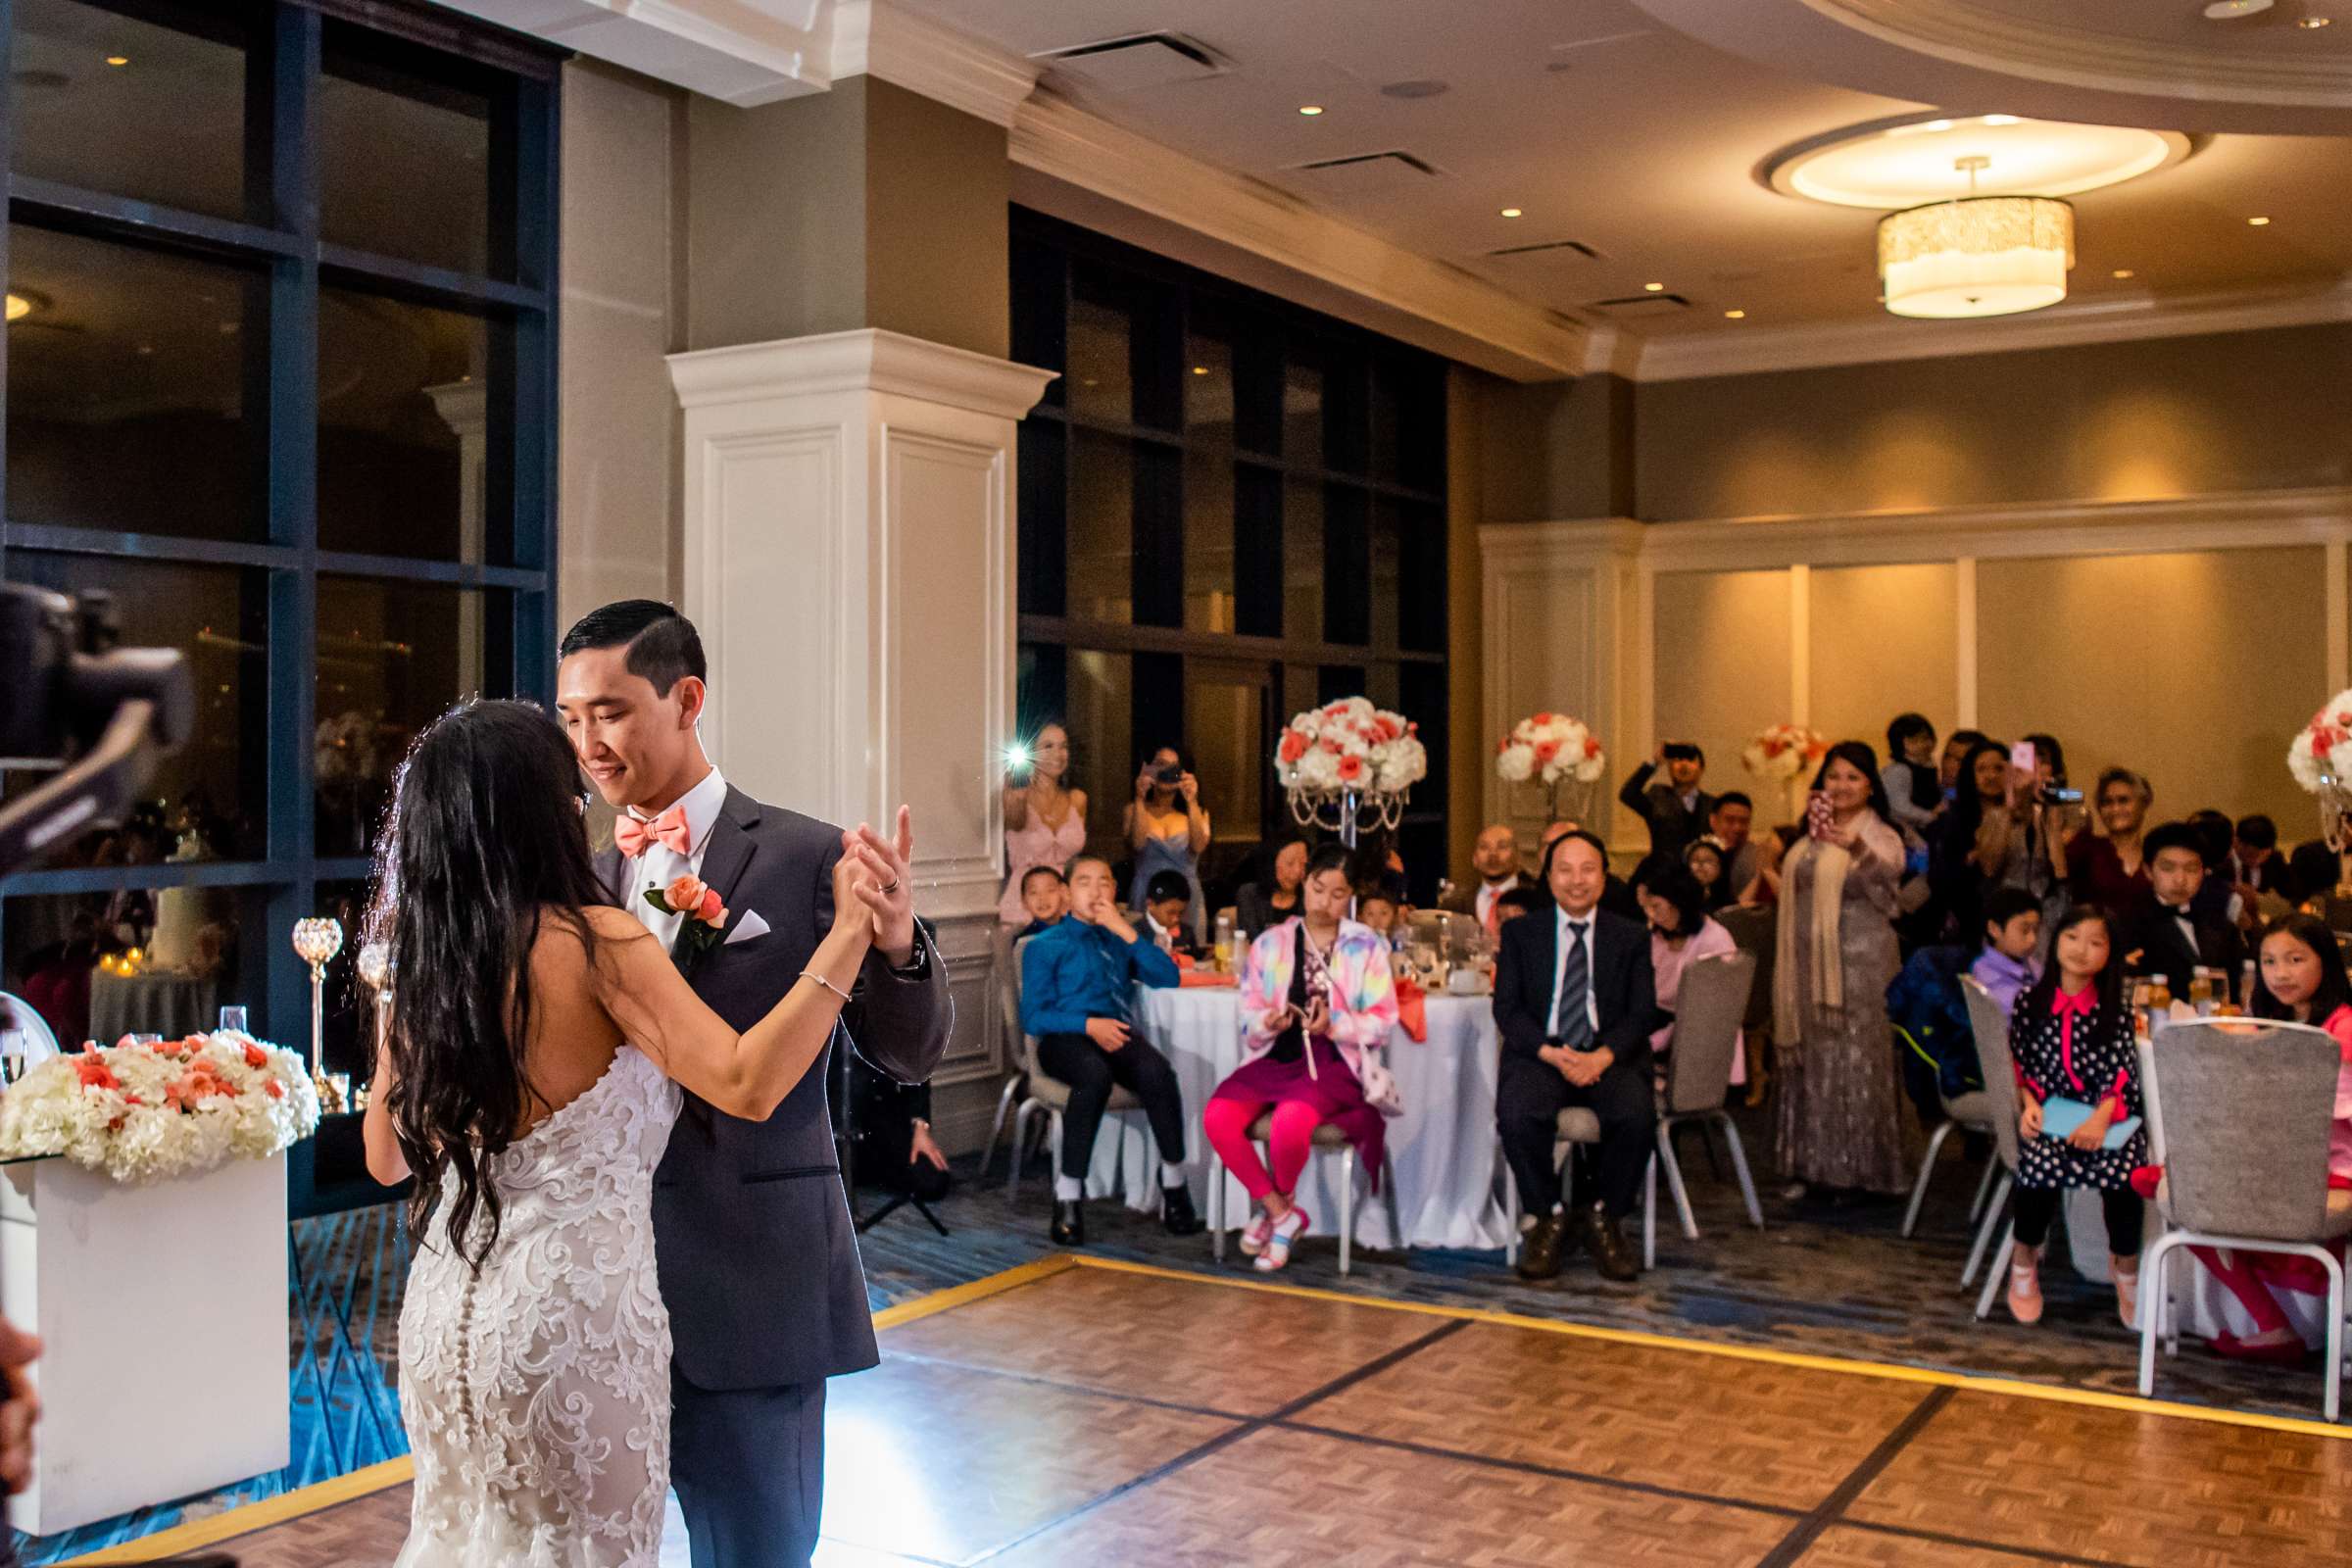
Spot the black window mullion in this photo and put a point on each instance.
(292, 405)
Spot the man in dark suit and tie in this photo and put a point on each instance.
(2167, 935)
(758, 1260)
(1575, 1002)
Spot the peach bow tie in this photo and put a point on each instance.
(632, 834)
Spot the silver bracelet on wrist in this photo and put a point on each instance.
(811, 974)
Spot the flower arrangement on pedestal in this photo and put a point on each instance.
(1789, 755)
(2321, 759)
(1346, 758)
(174, 1108)
(1559, 751)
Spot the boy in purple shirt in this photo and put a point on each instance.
(2012, 931)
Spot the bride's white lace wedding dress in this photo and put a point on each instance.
(536, 1393)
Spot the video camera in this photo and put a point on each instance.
(99, 713)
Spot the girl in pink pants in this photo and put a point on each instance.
(1317, 1002)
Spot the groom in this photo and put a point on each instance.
(759, 1263)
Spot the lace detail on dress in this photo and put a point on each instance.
(536, 1394)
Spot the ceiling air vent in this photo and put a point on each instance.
(1633, 306)
(1558, 250)
(1362, 174)
(1145, 59)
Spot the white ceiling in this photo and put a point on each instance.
(1608, 128)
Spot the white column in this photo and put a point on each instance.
(849, 561)
(464, 408)
(1800, 643)
(1964, 712)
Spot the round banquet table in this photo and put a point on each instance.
(1441, 1150)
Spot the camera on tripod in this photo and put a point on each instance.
(96, 713)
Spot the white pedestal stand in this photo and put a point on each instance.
(163, 1318)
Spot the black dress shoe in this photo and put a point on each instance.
(1176, 1211)
(1540, 1248)
(1069, 1223)
(1612, 1254)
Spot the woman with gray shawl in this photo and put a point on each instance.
(1839, 1122)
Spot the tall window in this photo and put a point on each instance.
(279, 377)
(1231, 509)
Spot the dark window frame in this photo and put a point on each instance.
(283, 67)
(1048, 256)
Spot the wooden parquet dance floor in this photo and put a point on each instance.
(1089, 1412)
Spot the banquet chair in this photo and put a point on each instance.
(1991, 1029)
(2246, 1163)
(1048, 1097)
(1009, 996)
(1970, 1113)
(1328, 1140)
(1709, 1010)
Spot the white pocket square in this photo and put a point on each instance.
(750, 926)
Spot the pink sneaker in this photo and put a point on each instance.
(1253, 1236)
(1284, 1235)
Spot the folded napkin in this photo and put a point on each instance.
(1412, 1011)
(1194, 978)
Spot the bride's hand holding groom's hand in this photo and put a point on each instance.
(887, 890)
(853, 914)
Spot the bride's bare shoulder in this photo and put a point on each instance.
(614, 925)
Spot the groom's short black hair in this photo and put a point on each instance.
(664, 646)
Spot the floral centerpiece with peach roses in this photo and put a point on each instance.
(143, 1113)
(1557, 750)
(1350, 747)
(2321, 759)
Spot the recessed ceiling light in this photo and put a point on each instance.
(2258, 222)
(19, 307)
(2001, 120)
(1937, 125)
(1199, 369)
(1734, 315)
(1513, 211)
(2231, 10)
(2313, 24)
(118, 60)
(2120, 273)
(1310, 110)
(1655, 288)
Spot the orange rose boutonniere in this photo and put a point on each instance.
(706, 916)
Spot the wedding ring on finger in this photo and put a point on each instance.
(893, 888)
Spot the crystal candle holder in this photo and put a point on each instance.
(317, 941)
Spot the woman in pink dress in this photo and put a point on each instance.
(1681, 932)
(1045, 824)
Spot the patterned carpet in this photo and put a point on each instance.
(1824, 1278)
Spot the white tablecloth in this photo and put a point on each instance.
(1441, 1150)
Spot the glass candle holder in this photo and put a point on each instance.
(317, 941)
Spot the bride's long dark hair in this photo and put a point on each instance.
(483, 843)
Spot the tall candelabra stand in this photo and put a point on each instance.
(317, 941)
(1347, 813)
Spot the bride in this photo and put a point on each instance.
(537, 1039)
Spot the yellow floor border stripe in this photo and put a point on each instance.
(1971, 1381)
(261, 1514)
(251, 1516)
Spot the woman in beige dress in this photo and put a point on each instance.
(1839, 1123)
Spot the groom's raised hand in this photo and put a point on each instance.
(889, 891)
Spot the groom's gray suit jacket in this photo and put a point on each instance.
(758, 1256)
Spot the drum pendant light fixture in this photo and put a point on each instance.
(1976, 255)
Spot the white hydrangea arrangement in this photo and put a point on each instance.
(149, 1113)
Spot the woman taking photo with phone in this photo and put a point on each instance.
(1045, 823)
(1318, 1003)
(1839, 1123)
(1167, 830)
